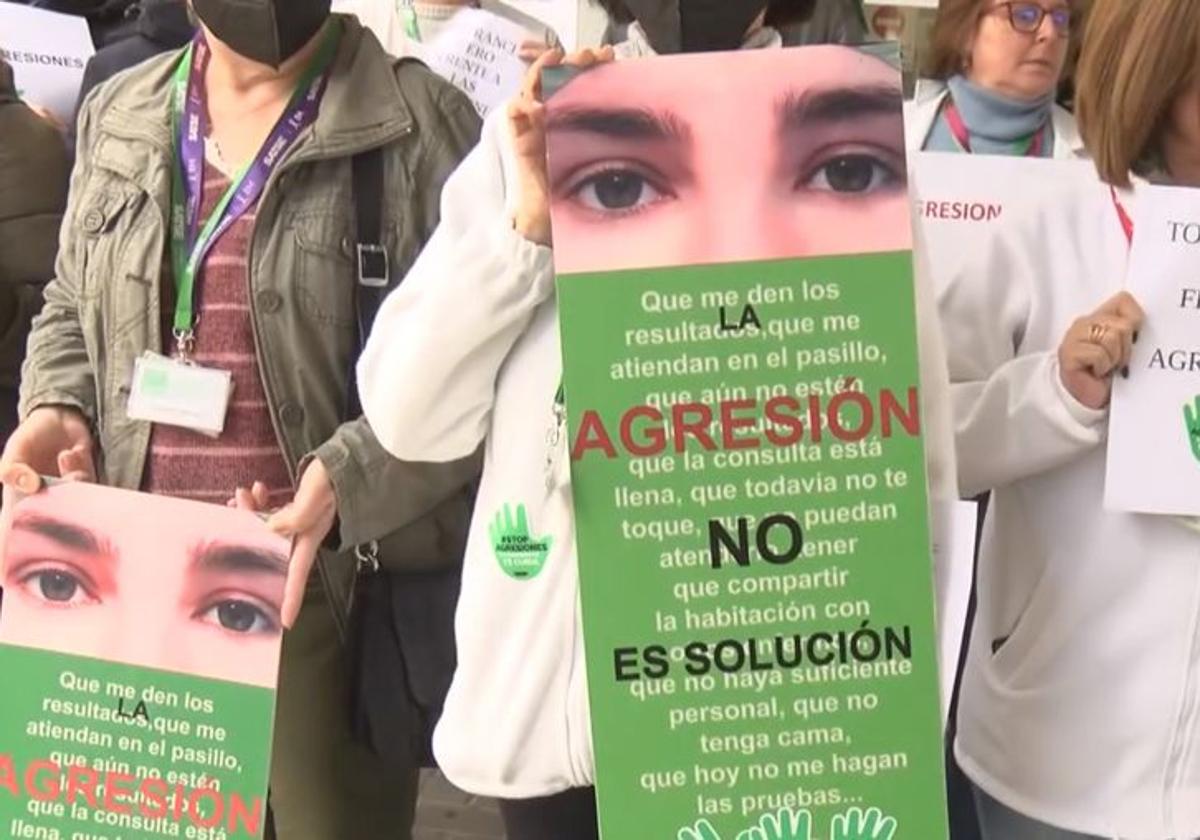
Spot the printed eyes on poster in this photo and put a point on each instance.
(736, 307)
(48, 53)
(139, 638)
(1154, 426)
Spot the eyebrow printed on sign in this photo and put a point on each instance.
(801, 110)
(217, 557)
(796, 111)
(67, 534)
(622, 123)
(241, 559)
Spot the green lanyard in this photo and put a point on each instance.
(188, 108)
(412, 28)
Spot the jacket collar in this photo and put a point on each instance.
(927, 101)
(349, 120)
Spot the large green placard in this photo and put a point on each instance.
(750, 495)
(95, 750)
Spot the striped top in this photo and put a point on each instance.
(192, 465)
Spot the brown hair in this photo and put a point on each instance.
(1137, 57)
(952, 29)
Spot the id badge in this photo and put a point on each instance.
(175, 393)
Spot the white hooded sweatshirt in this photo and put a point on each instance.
(465, 351)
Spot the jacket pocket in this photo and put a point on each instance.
(325, 274)
(103, 225)
(1018, 655)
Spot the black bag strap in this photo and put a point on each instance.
(373, 274)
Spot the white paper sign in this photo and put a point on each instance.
(48, 53)
(479, 53)
(1154, 427)
(560, 15)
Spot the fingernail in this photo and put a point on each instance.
(1125, 372)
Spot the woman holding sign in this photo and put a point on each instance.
(198, 336)
(994, 70)
(654, 180)
(1078, 710)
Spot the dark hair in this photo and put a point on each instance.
(617, 11)
(779, 12)
(787, 12)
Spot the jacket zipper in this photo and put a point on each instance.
(288, 164)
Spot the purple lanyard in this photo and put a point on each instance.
(191, 242)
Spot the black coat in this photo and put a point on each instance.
(109, 20)
(33, 193)
(161, 25)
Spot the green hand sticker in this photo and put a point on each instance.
(787, 824)
(702, 830)
(857, 824)
(1191, 421)
(520, 555)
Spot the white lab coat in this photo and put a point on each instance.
(1079, 701)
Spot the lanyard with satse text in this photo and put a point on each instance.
(1031, 146)
(189, 241)
(1122, 215)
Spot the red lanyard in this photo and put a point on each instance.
(1031, 146)
(1126, 221)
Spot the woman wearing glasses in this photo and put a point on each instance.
(994, 70)
(1080, 707)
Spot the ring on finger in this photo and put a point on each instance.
(1097, 332)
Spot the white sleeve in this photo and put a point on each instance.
(1013, 417)
(938, 423)
(949, 566)
(427, 375)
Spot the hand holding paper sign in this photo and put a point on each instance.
(527, 123)
(1098, 345)
(53, 441)
(306, 521)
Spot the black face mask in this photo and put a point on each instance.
(695, 25)
(266, 31)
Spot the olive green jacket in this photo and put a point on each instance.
(102, 309)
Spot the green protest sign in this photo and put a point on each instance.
(139, 642)
(747, 464)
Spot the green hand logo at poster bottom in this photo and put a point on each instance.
(520, 555)
(1191, 422)
(791, 824)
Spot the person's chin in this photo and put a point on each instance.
(1039, 69)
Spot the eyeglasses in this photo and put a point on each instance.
(1027, 18)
